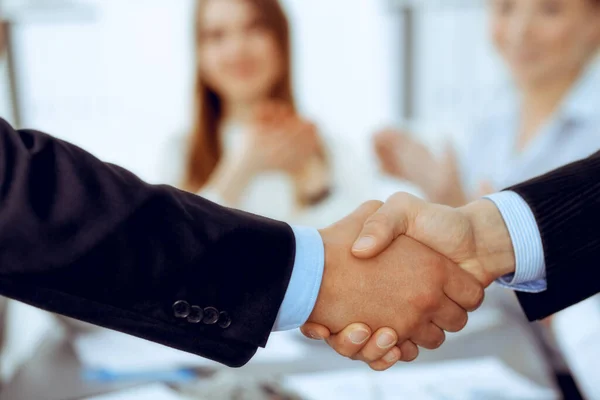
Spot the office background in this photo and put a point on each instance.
(104, 72)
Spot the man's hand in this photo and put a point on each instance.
(409, 287)
(474, 236)
(358, 342)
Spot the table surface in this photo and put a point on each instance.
(54, 372)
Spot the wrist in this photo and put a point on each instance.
(494, 247)
(318, 313)
(330, 306)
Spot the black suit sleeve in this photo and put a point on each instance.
(91, 241)
(566, 205)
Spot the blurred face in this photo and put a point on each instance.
(542, 40)
(239, 56)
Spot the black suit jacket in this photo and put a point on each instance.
(91, 241)
(566, 205)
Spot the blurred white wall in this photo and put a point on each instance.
(347, 61)
(119, 84)
(458, 73)
(115, 84)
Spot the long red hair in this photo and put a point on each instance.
(204, 148)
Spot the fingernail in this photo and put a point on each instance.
(364, 243)
(314, 335)
(386, 340)
(359, 336)
(390, 357)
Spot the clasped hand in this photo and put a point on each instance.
(407, 270)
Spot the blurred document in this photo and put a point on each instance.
(117, 352)
(475, 379)
(151, 392)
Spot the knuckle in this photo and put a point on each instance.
(439, 269)
(430, 337)
(478, 297)
(430, 302)
(436, 302)
(438, 340)
(411, 325)
(473, 297)
(410, 355)
(434, 343)
(459, 323)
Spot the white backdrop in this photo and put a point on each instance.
(119, 84)
(458, 71)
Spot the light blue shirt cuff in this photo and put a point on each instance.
(305, 282)
(530, 271)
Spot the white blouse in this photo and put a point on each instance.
(271, 194)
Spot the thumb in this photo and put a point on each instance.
(385, 225)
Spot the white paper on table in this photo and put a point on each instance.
(119, 352)
(476, 379)
(150, 392)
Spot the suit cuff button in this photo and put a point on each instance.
(196, 315)
(211, 316)
(224, 320)
(181, 309)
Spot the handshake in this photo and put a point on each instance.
(407, 271)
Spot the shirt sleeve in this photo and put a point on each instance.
(305, 283)
(530, 271)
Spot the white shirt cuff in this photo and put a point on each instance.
(305, 283)
(530, 271)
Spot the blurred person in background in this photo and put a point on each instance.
(249, 147)
(549, 117)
